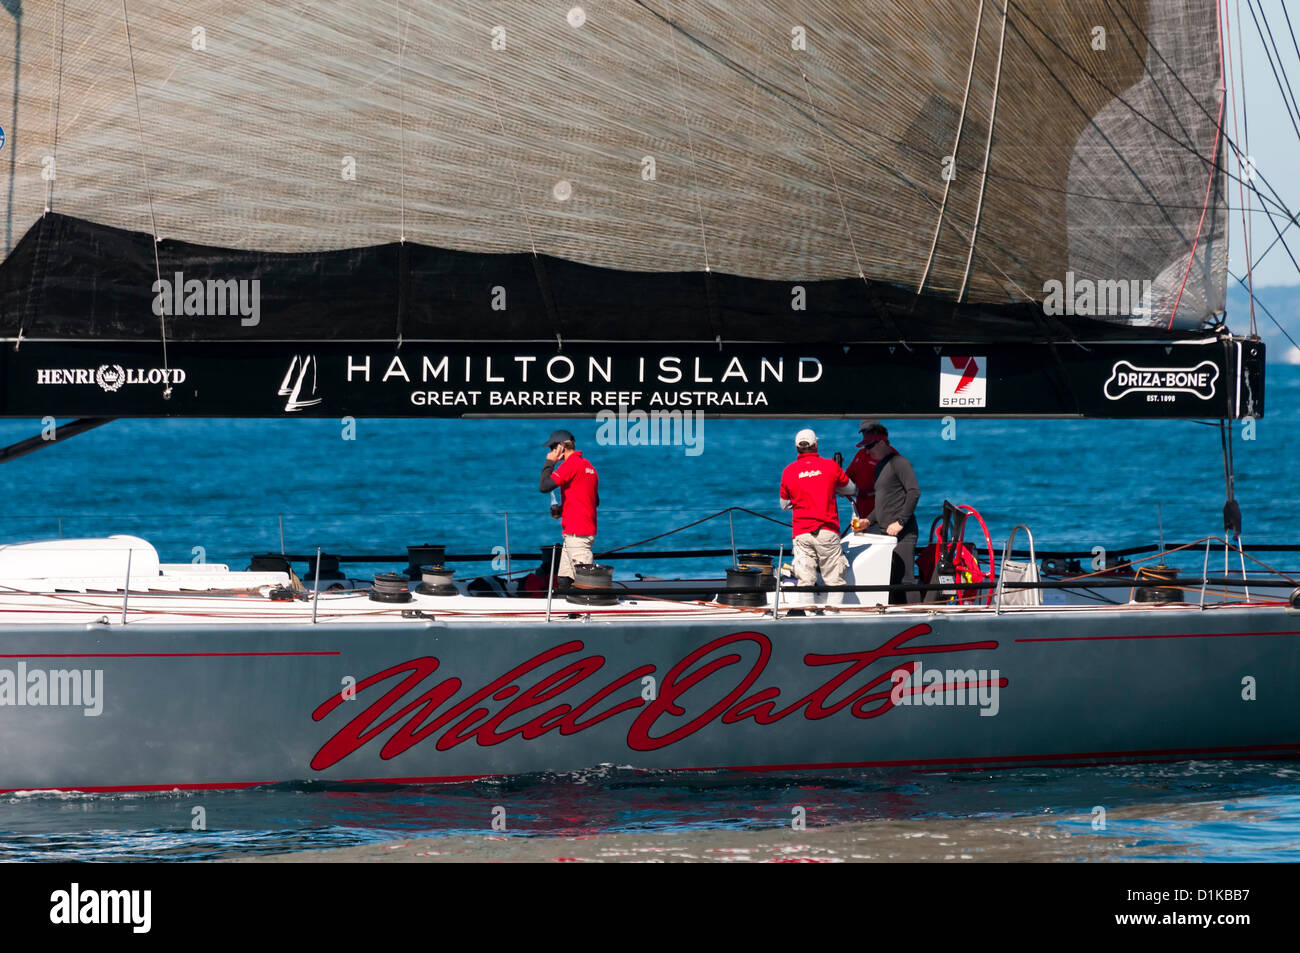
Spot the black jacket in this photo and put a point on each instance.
(897, 494)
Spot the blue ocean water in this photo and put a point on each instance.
(222, 490)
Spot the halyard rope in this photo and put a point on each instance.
(956, 146)
(148, 189)
(988, 148)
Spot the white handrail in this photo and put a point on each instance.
(776, 598)
(126, 589)
(1006, 551)
(315, 600)
(550, 586)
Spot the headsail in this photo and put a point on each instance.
(922, 172)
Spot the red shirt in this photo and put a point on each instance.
(579, 495)
(810, 482)
(862, 471)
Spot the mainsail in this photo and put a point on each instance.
(850, 181)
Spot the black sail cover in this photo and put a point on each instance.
(517, 207)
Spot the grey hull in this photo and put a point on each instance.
(224, 706)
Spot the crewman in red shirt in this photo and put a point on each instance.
(862, 471)
(573, 475)
(809, 487)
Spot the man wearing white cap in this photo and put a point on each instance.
(809, 487)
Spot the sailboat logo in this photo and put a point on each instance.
(963, 381)
(294, 379)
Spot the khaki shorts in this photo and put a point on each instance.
(577, 550)
(823, 552)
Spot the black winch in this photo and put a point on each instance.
(389, 587)
(268, 563)
(436, 581)
(329, 569)
(763, 563)
(1157, 584)
(744, 586)
(592, 576)
(430, 554)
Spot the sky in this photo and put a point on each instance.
(1274, 142)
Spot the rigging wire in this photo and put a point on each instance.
(1231, 77)
(703, 519)
(401, 120)
(1292, 219)
(1283, 82)
(1290, 30)
(1215, 168)
(148, 189)
(956, 148)
(1253, 189)
(844, 215)
(54, 110)
(988, 150)
(1263, 307)
(907, 146)
(402, 260)
(56, 67)
(1275, 200)
(790, 100)
(514, 165)
(1241, 191)
(690, 145)
(1086, 113)
(1249, 227)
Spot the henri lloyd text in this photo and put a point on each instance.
(715, 683)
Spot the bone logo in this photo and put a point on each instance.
(1127, 378)
(963, 381)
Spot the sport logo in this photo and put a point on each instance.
(1127, 378)
(294, 378)
(962, 382)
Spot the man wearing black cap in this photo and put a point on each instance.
(896, 496)
(569, 472)
(862, 471)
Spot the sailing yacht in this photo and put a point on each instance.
(808, 209)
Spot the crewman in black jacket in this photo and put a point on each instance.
(897, 493)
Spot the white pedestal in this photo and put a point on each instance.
(871, 561)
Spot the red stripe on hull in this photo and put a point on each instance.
(1180, 635)
(1070, 759)
(164, 654)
